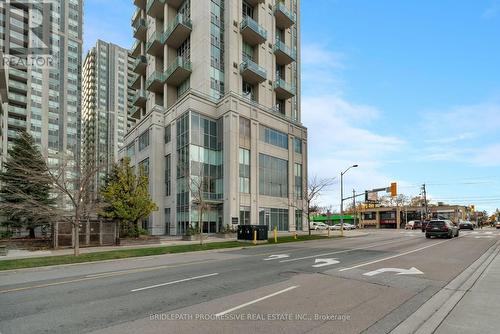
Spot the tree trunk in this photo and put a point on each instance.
(31, 232)
(76, 231)
(200, 225)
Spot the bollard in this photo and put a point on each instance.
(275, 235)
(295, 236)
(255, 237)
(328, 231)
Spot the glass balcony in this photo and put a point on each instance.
(16, 123)
(18, 86)
(283, 89)
(140, 29)
(178, 31)
(13, 134)
(155, 8)
(178, 71)
(140, 99)
(140, 3)
(136, 49)
(252, 72)
(155, 82)
(136, 81)
(18, 74)
(18, 111)
(18, 98)
(284, 17)
(155, 44)
(284, 55)
(252, 32)
(254, 3)
(140, 64)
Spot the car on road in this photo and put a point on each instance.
(347, 227)
(441, 228)
(318, 226)
(497, 224)
(466, 225)
(413, 225)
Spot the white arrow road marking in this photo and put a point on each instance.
(325, 262)
(277, 257)
(411, 271)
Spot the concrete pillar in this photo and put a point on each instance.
(377, 215)
(398, 218)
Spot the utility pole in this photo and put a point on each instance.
(424, 191)
(354, 205)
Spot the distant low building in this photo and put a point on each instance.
(397, 217)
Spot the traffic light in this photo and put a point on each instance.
(472, 208)
(394, 189)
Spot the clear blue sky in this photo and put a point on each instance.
(409, 90)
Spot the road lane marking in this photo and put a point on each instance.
(93, 277)
(399, 271)
(343, 251)
(393, 256)
(255, 301)
(325, 262)
(277, 257)
(173, 282)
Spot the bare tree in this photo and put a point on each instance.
(198, 186)
(315, 187)
(70, 194)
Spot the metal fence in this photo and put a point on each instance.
(92, 232)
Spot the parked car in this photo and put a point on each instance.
(318, 226)
(466, 225)
(413, 225)
(441, 228)
(497, 224)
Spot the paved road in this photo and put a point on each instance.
(330, 286)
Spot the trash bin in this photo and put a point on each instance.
(246, 232)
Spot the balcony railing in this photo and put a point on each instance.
(140, 98)
(178, 31)
(155, 82)
(284, 54)
(284, 18)
(136, 48)
(140, 64)
(19, 86)
(155, 44)
(178, 71)
(252, 72)
(18, 98)
(140, 29)
(252, 32)
(283, 89)
(17, 111)
(16, 123)
(154, 8)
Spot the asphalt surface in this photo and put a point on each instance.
(308, 287)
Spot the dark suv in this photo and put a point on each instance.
(441, 228)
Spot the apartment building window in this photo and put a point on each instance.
(184, 50)
(168, 175)
(245, 215)
(274, 137)
(144, 140)
(244, 132)
(131, 150)
(280, 71)
(168, 134)
(244, 170)
(247, 51)
(280, 106)
(274, 217)
(247, 10)
(298, 220)
(273, 176)
(144, 167)
(297, 145)
(248, 91)
(185, 9)
(298, 181)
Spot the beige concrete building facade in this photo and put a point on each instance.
(218, 96)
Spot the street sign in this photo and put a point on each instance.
(277, 257)
(324, 262)
(411, 271)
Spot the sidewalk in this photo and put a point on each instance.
(165, 241)
(477, 311)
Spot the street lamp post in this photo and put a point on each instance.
(342, 199)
